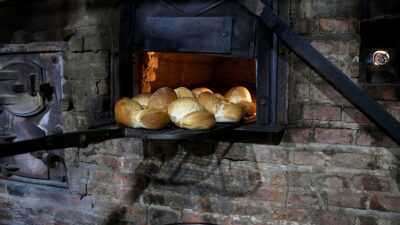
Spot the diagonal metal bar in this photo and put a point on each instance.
(327, 70)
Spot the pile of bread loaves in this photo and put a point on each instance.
(198, 109)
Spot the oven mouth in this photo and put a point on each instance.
(193, 70)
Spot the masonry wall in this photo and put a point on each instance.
(333, 166)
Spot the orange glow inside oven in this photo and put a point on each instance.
(218, 73)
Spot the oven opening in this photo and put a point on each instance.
(174, 70)
(158, 48)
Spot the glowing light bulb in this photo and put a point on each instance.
(380, 58)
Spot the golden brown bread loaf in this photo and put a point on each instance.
(222, 110)
(188, 113)
(201, 120)
(151, 119)
(130, 113)
(143, 99)
(209, 100)
(183, 92)
(249, 108)
(124, 109)
(229, 113)
(242, 96)
(162, 98)
(199, 90)
(237, 94)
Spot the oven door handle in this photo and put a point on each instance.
(79, 139)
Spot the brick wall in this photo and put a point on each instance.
(333, 167)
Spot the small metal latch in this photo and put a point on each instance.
(8, 169)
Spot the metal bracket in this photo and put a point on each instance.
(8, 170)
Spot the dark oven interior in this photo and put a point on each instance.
(380, 50)
(216, 44)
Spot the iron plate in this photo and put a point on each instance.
(189, 34)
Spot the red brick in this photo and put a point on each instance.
(326, 94)
(385, 203)
(329, 180)
(122, 193)
(269, 194)
(363, 220)
(302, 91)
(347, 199)
(193, 218)
(291, 214)
(345, 25)
(256, 209)
(354, 160)
(352, 115)
(298, 179)
(331, 218)
(135, 211)
(372, 183)
(373, 138)
(321, 112)
(309, 158)
(304, 26)
(266, 154)
(304, 199)
(275, 178)
(333, 136)
(110, 161)
(330, 47)
(386, 92)
(297, 135)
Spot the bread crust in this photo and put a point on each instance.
(199, 90)
(237, 94)
(162, 98)
(188, 113)
(143, 99)
(183, 92)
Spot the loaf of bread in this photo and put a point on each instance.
(218, 95)
(162, 98)
(240, 95)
(143, 99)
(188, 113)
(229, 113)
(183, 92)
(124, 109)
(130, 113)
(201, 120)
(221, 109)
(199, 90)
(249, 108)
(237, 94)
(210, 101)
(151, 119)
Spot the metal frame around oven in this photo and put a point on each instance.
(272, 70)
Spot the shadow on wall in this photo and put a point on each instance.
(192, 168)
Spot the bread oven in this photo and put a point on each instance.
(216, 44)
